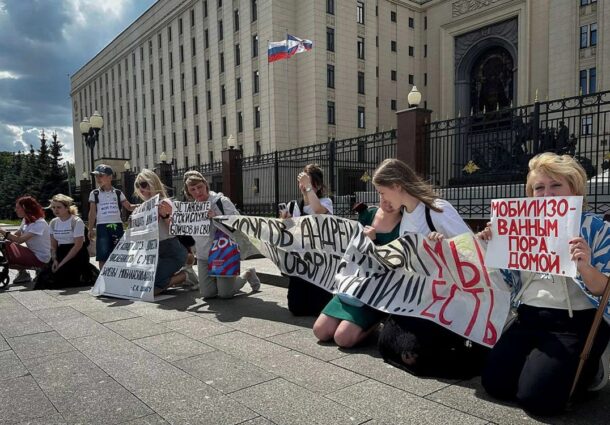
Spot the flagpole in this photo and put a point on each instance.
(288, 95)
(268, 99)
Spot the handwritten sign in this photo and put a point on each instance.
(533, 234)
(130, 270)
(190, 218)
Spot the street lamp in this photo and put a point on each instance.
(163, 157)
(231, 142)
(414, 97)
(90, 129)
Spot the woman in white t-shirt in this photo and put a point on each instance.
(70, 265)
(34, 232)
(304, 298)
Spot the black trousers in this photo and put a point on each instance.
(306, 299)
(535, 360)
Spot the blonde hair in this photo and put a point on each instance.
(191, 178)
(66, 201)
(394, 172)
(156, 187)
(558, 166)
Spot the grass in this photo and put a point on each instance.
(10, 222)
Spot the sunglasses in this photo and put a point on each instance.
(142, 185)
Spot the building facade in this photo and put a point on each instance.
(188, 74)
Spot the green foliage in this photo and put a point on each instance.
(37, 173)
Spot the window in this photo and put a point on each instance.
(411, 79)
(222, 62)
(411, 51)
(158, 43)
(360, 47)
(330, 112)
(238, 88)
(173, 140)
(196, 105)
(254, 45)
(206, 39)
(184, 139)
(220, 30)
(182, 81)
(192, 18)
(236, 20)
(207, 69)
(193, 49)
(255, 82)
(194, 75)
(361, 117)
(411, 22)
(171, 60)
(425, 22)
(393, 45)
(360, 12)
(425, 78)
(209, 98)
(253, 10)
(169, 33)
(210, 131)
(181, 53)
(592, 80)
(205, 8)
(583, 81)
(183, 110)
(161, 66)
(584, 36)
(330, 39)
(171, 87)
(393, 75)
(240, 122)
(257, 117)
(237, 55)
(197, 134)
(219, 3)
(360, 82)
(223, 95)
(586, 125)
(425, 50)
(392, 16)
(593, 34)
(180, 26)
(330, 7)
(223, 126)
(393, 104)
(330, 76)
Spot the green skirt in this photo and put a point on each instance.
(366, 317)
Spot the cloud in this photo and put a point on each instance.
(8, 75)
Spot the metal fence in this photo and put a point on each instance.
(212, 173)
(481, 157)
(347, 166)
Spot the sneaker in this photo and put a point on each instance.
(192, 281)
(22, 277)
(253, 280)
(601, 377)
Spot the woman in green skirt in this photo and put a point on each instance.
(345, 319)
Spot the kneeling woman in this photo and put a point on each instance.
(172, 254)
(70, 257)
(535, 360)
(345, 319)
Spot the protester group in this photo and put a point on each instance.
(533, 360)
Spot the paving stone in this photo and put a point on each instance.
(38, 345)
(57, 314)
(36, 300)
(22, 325)
(305, 342)
(198, 328)
(245, 346)
(173, 346)
(311, 373)
(224, 372)
(283, 402)
(55, 419)
(137, 327)
(156, 313)
(261, 327)
(391, 405)
(369, 364)
(257, 421)
(147, 420)
(22, 400)
(79, 327)
(469, 396)
(110, 314)
(11, 366)
(3, 344)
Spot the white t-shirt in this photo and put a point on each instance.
(108, 208)
(325, 202)
(550, 291)
(40, 242)
(448, 222)
(62, 230)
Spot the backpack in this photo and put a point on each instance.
(429, 219)
(96, 196)
(222, 208)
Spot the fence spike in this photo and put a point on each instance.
(497, 106)
(484, 109)
(471, 111)
(459, 113)
(511, 103)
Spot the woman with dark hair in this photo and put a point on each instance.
(304, 298)
(420, 346)
(34, 232)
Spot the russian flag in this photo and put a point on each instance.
(277, 50)
(297, 45)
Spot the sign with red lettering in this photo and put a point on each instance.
(533, 233)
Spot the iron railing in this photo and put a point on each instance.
(212, 173)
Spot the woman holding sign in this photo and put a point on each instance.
(196, 188)
(172, 255)
(535, 360)
(420, 346)
(345, 319)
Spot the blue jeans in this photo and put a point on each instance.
(107, 236)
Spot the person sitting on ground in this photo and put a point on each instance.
(196, 189)
(70, 265)
(346, 319)
(34, 232)
(535, 360)
(304, 298)
(172, 255)
(418, 345)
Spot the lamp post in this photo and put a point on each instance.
(90, 129)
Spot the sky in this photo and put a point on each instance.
(42, 43)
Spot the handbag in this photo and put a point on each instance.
(224, 257)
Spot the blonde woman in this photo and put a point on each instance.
(196, 188)
(534, 362)
(172, 255)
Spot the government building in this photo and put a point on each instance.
(188, 74)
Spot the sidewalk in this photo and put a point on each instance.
(69, 358)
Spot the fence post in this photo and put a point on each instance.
(276, 177)
(536, 127)
(164, 171)
(411, 146)
(232, 183)
(85, 190)
(128, 180)
(332, 151)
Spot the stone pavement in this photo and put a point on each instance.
(69, 358)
